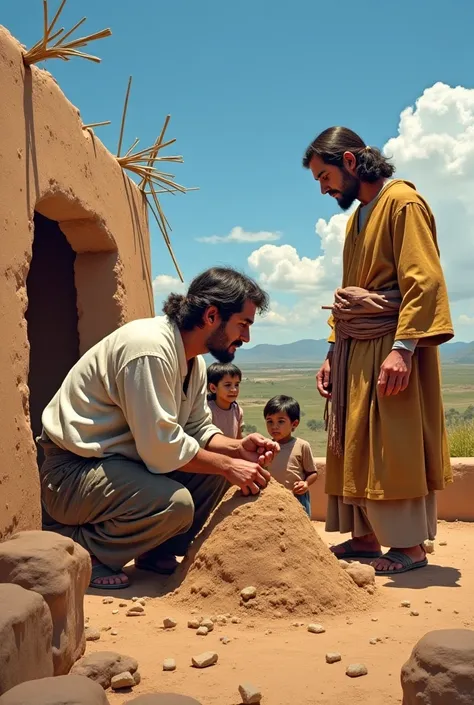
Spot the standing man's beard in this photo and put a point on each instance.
(218, 345)
(349, 190)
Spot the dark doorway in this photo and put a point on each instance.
(51, 316)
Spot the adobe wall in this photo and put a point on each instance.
(454, 503)
(50, 165)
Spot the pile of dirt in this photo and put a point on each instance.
(268, 543)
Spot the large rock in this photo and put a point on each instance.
(162, 699)
(25, 637)
(102, 666)
(58, 569)
(63, 690)
(440, 670)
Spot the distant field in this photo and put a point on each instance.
(261, 382)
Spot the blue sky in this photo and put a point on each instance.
(248, 85)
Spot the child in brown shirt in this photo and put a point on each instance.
(223, 383)
(294, 466)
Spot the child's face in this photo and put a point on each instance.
(227, 390)
(280, 426)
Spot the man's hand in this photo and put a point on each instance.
(394, 373)
(300, 487)
(250, 477)
(258, 449)
(323, 378)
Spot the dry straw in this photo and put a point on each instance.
(43, 49)
(144, 163)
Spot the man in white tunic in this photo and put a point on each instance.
(133, 463)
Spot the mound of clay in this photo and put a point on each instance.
(440, 670)
(265, 542)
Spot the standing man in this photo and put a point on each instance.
(387, 449)
(134, 465)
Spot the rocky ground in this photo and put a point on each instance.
(280, 657)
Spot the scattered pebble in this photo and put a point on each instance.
(91, 634)
(373, 642)
(439, 609)
(169, 664)
(428, 602)
(134, 599)
(355, 670)
(135, 611)
(443, 543)
(225, 640)
(363, 575)
(194, 624)
(405, 603)
(114, 632)
(375, 619)
(106, 629)
(208, 623)
(250, 694)
(115, 611)
(169, 623)
(107, 600)
(235, 620)
(371, 589)
(455, 611)
(248, 593)
(202, 631)
(333, 657)
(142, 601)
(122, 604)
(208, 658)
(429, 546)
(295, 624)
(123, 680)
(414, 613)
(316, 629)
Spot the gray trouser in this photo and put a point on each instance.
(116, 509)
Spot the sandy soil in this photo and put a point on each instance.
(287, 662)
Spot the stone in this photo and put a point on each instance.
(123, 680)
(373, 642)
(208, 623)
(102, 666)
(123, 604)
(134, 599)
(443, 543)
(26, 631)
(316, 629)
(62, 690)
(429, 546)
(142, 601)
(208, 658)
(114, 632)
(405, 603)
(202, 631)
(139, 609)
(344, 564)
(115, 611)
(250, 694)
(235, 620)
(355, 670)
(225, 640)
(163, 699)
(374, 619)
(248, 593)
(169, 664)
(107, 600)
(333, 657)
(363, 575)
(169, 623)
(91, 634)
(137, 678)
(414, 613)
(441, 668)
(194, 624)
(59, 570)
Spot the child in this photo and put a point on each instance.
(294, 466)
(223, 383)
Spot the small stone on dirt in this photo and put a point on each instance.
(375, 619)
(333, 657)
(405, 603)
(169, 664)
(134, 599)
(208, 623)
(123, 680)
(355, 670)
(91, 634)
(344, 564)
(107, 600)
(202, 631)
(250, 694)
(414, 613)
(248, 593)
(225, 640)
(316, 629)
(134, 612)
(114, 632)
(362, 574)
(115, 611)
(208, 658)
(194, 624)
(429, 546)
(373, 642)
(235, 620)
(169, 623)
(142, 601)
(443, 543)
(428, 602)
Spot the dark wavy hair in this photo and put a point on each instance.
(222, 287)
(331, 144)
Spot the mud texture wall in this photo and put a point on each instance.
(74, 262)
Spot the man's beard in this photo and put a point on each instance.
(218, 345)
(349, 191)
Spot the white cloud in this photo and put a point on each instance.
(434, 149)
(165, 284)
(239, 235)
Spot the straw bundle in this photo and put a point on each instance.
(143, 163)
(61, 50)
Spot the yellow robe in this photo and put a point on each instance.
(395, 447)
